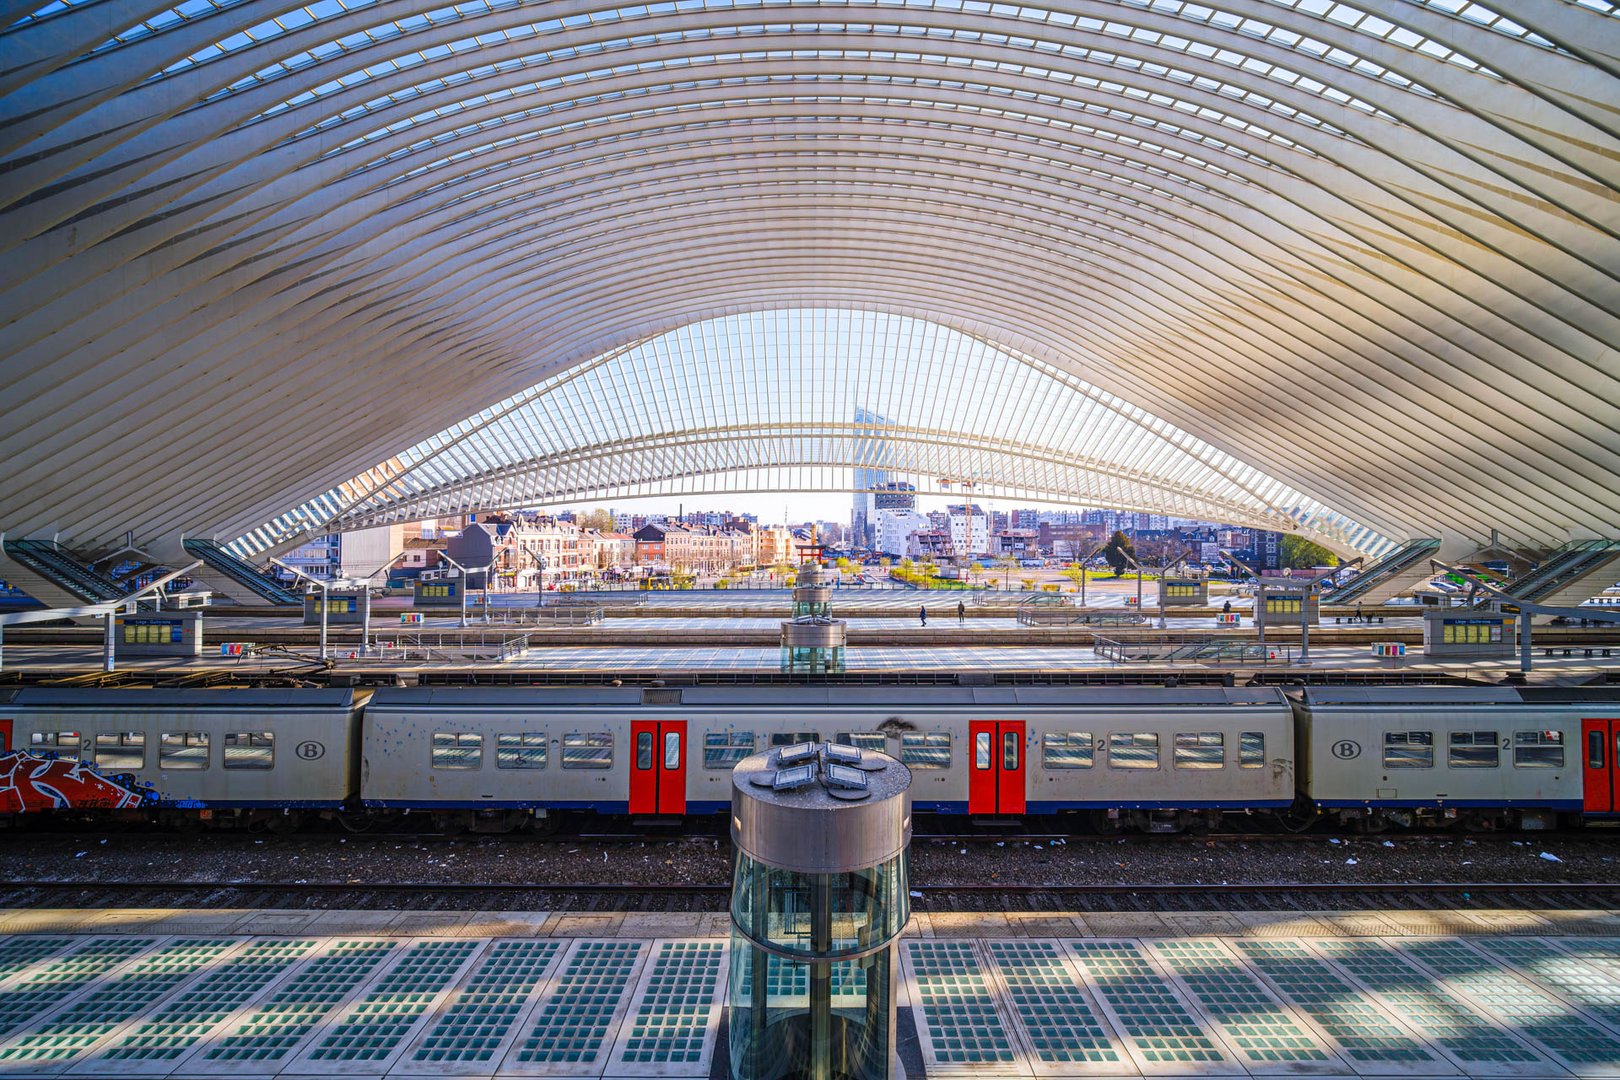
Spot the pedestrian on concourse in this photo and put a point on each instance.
(922, 613)
(1226, 609)
(1359, 616)
(961, 613)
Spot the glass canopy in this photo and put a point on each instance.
(807, 400)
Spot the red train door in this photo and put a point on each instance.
(658, 766)
(1600, 739)
(996, 767)
(5, 736)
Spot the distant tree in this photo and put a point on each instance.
(843, 565)
(1298, 553)
(1075, 573)
(1027, 582)
(599, 519)
(1115, 552)
(1006, 562)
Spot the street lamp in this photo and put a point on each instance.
(539, 575)
(466, 583)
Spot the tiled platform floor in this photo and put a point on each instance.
(387, 994)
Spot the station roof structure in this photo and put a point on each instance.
(1349, 266)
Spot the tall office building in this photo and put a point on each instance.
(875, 485)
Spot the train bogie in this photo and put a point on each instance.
(219, 756)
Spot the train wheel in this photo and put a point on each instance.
(362, 822)
(1299, 817)
(1103, 825)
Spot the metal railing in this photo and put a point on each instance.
(559, 615)
(1176, 649)
(447, 647)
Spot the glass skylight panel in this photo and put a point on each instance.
(708, 376)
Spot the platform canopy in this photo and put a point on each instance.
(1349, 266)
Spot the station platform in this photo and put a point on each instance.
(297, 993)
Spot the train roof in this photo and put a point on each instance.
(1460, 695)
(61, 697)
(1085, 696)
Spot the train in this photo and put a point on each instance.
(499, 759)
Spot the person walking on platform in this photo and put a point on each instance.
(961, 613)
(1359, 616)
(922, 613)
(1226, 608)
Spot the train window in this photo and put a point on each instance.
(250, 749)
(981, 750)
(121, 750)
(1538, 749)
(793, 738)
(183, 750)
(456, 750)
(644, 750)
(1472, 750)
(1252, 749)
(1067, 750)
(865, 740)
(672, 749)
(60, 743)
(1200, 750)
(1408, 749)
(1594, 750)
(521, 750)
(1133, 750)
(1009, 750)
(588, 750)
(926, 749)
(723, 749)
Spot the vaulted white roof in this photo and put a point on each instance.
(251, 250)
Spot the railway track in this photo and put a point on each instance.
(1117, 896)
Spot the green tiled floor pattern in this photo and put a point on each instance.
(573, 1021)
(100, 1013)
(1249, 1017)
(372, 1030)
(23, 951)
(1516, 1001)
(479, 1016)
(1152, 1018)
(1424, 1004)
(957, 1004)
(1360, 1028)
(672, 1018)
(62, 996)
(40, 991)
(1575, 980)
(1061, 1023)
(178, 1026)
(277, 1027)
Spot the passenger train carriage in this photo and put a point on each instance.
(248, 754)
(1152, 756)
(494, 759)
(1511, 756)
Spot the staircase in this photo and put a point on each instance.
(55, 576)
(1388, 577)
(1571, 575)
(241, 580)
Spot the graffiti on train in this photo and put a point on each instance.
(32, 783)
